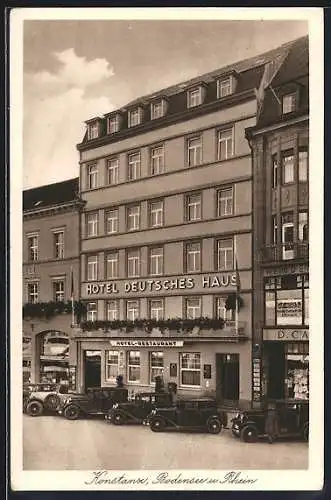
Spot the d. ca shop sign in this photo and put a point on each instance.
(163, 286)
(286, 334)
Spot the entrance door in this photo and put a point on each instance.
(276, 370)
(227, 377)
(92, 369)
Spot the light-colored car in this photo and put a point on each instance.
(44, 398)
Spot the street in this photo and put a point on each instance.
(54, 443)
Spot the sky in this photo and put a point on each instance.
(75, 70)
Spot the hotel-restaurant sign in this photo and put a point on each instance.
(286, 334)
(147, 343)
(199, 282)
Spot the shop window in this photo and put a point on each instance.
(156, 363)
(112, 171)
(132, 310)
(193, 207)
(112, 221)
(225, 202)
(224, 254)
(194, 151)
(156, 261)
(288, 166)
(112, 265)
(190, 369)
(222, 312)
(133, 366)
(156, 309)
(297, 370)
(193, 307)
(92, 311)
(193, 257)
(112, 310)
(156, 213)
(303, 165)
(112, 365)
(133, 263)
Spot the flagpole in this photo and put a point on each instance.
(72, 298)
(237, 294)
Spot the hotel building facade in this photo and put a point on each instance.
(167, 186)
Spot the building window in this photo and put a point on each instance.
(193, 257)
(112, 265)
(190, 369)
(303, 226)
(112, 171)
(113, 124)
(134, 366)
(287, 166)
(135, 117)
(289, 103)
(112, 221)
(33, 293)
(224, 87)
(93, 130)
(133, 263)
(58, 237)
(157, 109)
(225, 202)
(92, 267)
(194, 97)
(225, 148)
(287, 300)
(156, 213)
(274, 160)
(225, 254)
(193, 207)
(112, 310)
(193, 308)
(156, 309)
(92, 176)
(133, 166)
(92, 224)
(156, 261)
(112, 365)
(132, 310)
(133, 218)
(274, 224)
(58, 291)
(33, 247)
(222, 312)
(303, 165)
(287, 227)
(156, 363)
(92, 312)
(194, 151)
(157, 160)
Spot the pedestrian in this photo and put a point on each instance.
(272, 423)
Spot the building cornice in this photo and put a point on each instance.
(76, 205)
(251, 132)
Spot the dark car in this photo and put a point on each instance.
(193, 414)
(96, 401)
(137, 410)
(293, 415)
(41, 398)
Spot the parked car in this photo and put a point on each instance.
(138, 409)
(96, 401)
(249, 425)
(193, 414)
(44, 397)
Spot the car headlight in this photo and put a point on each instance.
(153, 412)
(115, 405)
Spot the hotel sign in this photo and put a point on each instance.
(164, 285)
(147, 343)
(286, 334)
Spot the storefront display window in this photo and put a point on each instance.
(156, 365)
(190, 368)
(112, 365)
(134, 366)
(297, 371)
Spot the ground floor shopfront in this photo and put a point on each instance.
(208, 367)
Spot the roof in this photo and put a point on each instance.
(51, 194)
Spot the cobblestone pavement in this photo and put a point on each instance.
(54, 443)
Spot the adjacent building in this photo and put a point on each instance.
(50, 276)
(280, 152)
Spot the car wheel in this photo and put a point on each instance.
(249, 434)
(34, 408)
(157, 424)
(118, 419)
(52, 401)
(214, 426)
(305, 432)
(72, 412)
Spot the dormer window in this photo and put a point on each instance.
(93, 130)
(135, 117)
(194, 97)
(113, 124)
(289, 103)
(225, 87)
(158, 109)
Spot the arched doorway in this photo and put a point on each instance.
(54, 356)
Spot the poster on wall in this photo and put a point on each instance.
(289, 311)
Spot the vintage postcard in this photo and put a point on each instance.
(162, 205)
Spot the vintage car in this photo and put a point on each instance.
(194, 414)
(41, 398)
(96, 401)
(137, 410)
(293, 415)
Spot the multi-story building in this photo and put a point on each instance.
(280, 150)
(167, 186)
(50, 274)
